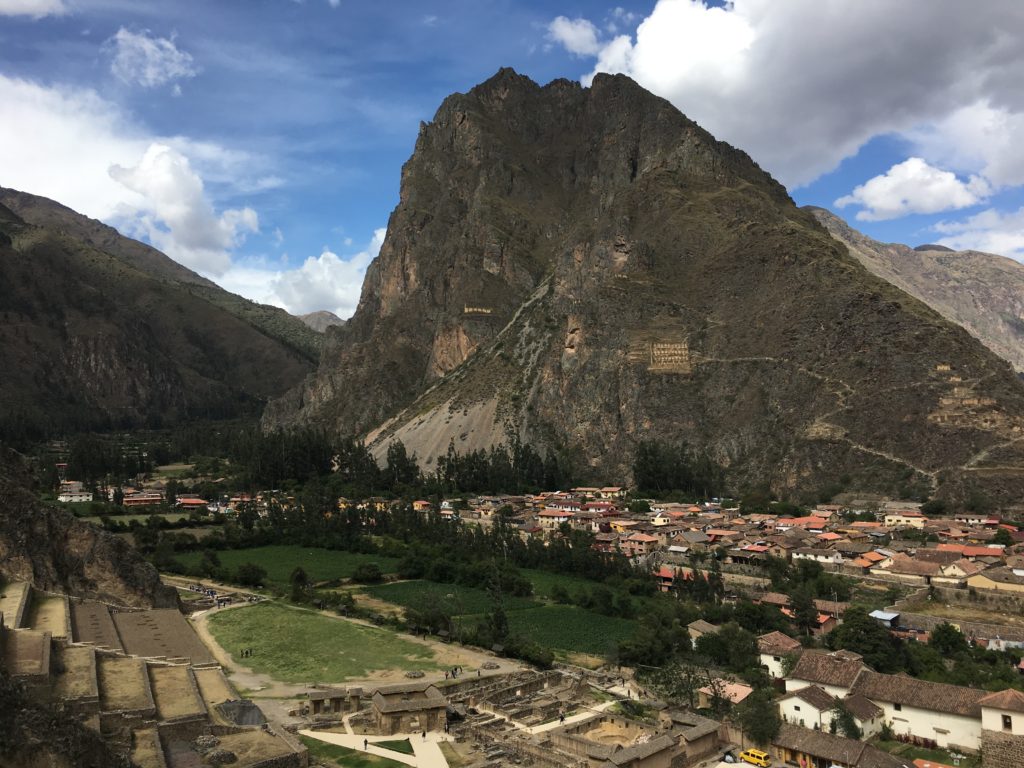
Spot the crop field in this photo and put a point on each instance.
(301, 646)
(545, 581)
(280, 560)
(460, 601)
(571, 629)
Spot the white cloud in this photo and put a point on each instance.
(578, 36)
(142, 59)
(334, 3)
(177, 217)
(327, 281)
(990, 231)
(41, 140)
(37, 9)
(801, 85)
(913, 186)
(978, 136)
(159, 189)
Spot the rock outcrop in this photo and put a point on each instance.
(55, 552)
(588, 268)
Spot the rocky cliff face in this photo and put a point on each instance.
(588, 268)
(982, 292)
(51, 549)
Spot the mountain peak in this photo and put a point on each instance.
(586, 268)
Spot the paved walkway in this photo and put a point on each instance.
(426, 752)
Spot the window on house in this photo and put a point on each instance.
(1007, 723)
(776, 658)
(797, 708)
(898, 707)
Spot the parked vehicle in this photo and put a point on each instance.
(756, 757)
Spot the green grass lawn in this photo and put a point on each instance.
(343, 756)
(400, 745)
(568, 628)
(461, 601)
(301, 646)
(280, 560)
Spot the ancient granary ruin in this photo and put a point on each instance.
(141, 679)
(517, 718)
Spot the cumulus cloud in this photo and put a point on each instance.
(176, 215)
(327, 281)
(41, 139)
(913, 186)
(991, 231)
(142, 59)
(578, 36)
(37, 9)
(149, 186)
(801, 85)
(977, 136)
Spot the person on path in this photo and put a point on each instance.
(366, 744)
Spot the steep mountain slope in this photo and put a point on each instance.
(89, 339)
(589, 268)
(980, 291)
(271, 321)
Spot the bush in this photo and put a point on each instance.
(250, 575)
(368, 573)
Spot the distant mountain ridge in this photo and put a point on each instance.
(982, 292)
(99, 331)
(322, 320)
(586, 268)
(272, 321)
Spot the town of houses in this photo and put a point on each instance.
(899, 545)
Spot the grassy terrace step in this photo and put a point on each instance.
(78, 680)
(91, 623)
(49, 613)
(175, 692)
(124, 685)
(146, 751)
(214, 687)
(27, 653)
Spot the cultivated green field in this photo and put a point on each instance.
(461, 601)
(331, 754)
(171, 517)
(301, 646)
(280, 560)
(544, 581)
(559, 627)
(568, 628)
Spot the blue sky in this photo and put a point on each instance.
(260, 142)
